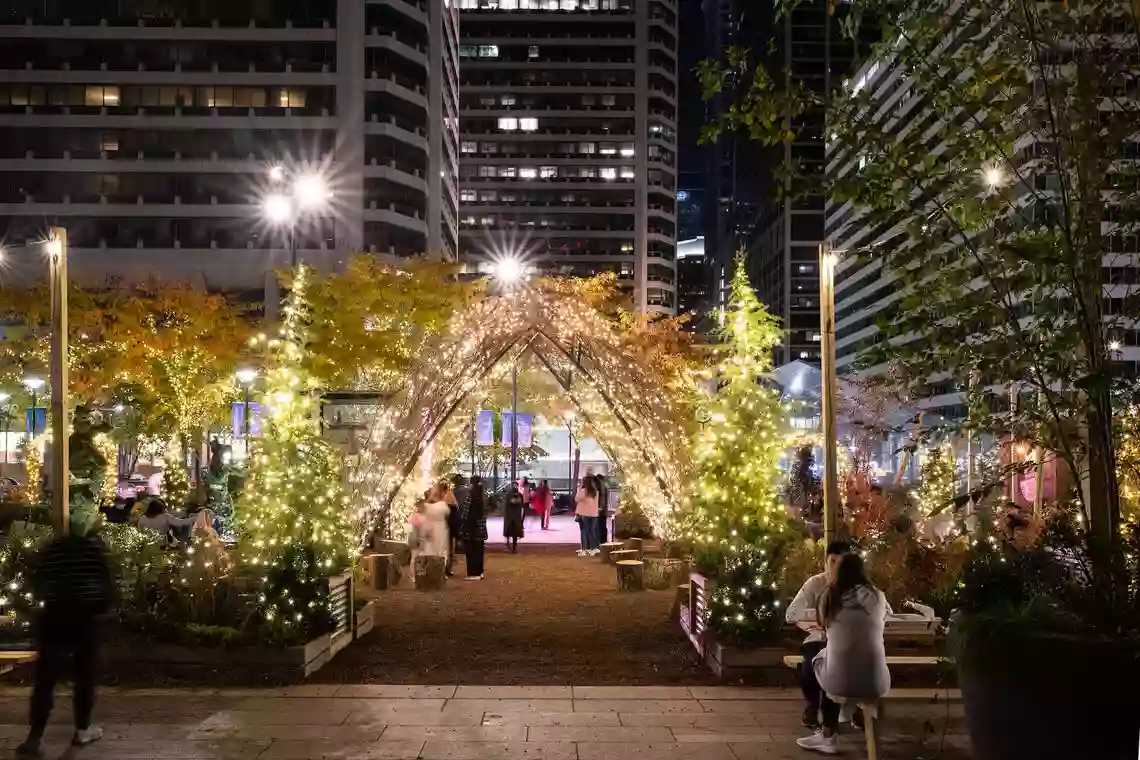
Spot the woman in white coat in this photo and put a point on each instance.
(854, 662)
(433, 534)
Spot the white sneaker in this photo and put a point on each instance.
(817, 742)
(87, 736)
(581, 552)
(594, 552)
(474, 577)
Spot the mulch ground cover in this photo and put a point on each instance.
(543, 618)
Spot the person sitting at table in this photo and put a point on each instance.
(802, 613)
(157, 520)
(853, 664)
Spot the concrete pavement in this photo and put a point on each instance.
(382, 722)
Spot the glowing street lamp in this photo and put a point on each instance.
(994, 176)
(509, 270)
(307, 193)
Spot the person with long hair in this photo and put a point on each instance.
(473, 518)
(542, 501)
(852, 613)
(586, 513)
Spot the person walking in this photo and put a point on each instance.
(474, 521)
(542, 501)
(72, 582)
(586, 512)
(514, 520)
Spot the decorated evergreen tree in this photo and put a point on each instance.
(293, 513)
(738, 523)
(935, 491)
(803, 482)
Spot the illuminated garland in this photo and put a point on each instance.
(611, 389)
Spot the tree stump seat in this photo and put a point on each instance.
(430, 572)
(630, 575)
(622, 554)
(609, 548)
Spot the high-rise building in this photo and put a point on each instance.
(154, 131)
(810, 49)
(568, 149)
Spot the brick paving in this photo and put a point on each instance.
(441, 722)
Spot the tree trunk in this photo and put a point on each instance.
(1102, 499)
(577, 469)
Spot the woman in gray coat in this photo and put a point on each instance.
(854, 662)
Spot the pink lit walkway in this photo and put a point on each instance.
(563, 531)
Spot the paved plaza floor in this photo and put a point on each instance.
(377, 722)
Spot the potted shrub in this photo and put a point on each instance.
(1047, 643)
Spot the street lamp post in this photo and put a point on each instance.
(827, 261)
(509, 272)
(5, 420)
(246, 377)
(55, 247)
(307, 192)
(33, 384)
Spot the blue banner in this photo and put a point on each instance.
(525, 425)
(35, 420)
(507, 427)
(238, 418)
(526, 430)
(485, 427)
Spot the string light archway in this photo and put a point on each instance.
(639, 424)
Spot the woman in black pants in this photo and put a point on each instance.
(474, 519)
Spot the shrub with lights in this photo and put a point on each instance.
(738, 525)
(293, 514)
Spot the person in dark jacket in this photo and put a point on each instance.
(473, 518)
(72, 581)
(513, 519)
(460, 493)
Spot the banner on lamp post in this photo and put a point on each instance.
(526, 430)
(505, 437)
(485, 427)
(238, 419)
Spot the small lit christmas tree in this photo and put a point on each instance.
(936, 487)
(175, 479)
(293, 513)
(738, 524)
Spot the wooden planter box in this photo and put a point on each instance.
(340, 593)
(292, 663)
(726, 661)
(365, 620)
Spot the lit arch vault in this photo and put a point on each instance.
(639, 424)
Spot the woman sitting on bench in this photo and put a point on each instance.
(854, 662)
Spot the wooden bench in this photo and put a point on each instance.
(870, 708)
(11, 659)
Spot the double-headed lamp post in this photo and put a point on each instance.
(510, 273)
(291, 198)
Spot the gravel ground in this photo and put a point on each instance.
(542, 618)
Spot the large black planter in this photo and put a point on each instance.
(1041, 697)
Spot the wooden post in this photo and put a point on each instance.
(606, 549)
(827, 260)
(623, 554)
(60, 467)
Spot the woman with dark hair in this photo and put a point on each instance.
(473, 518)
(854, 662)
(157, 520)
